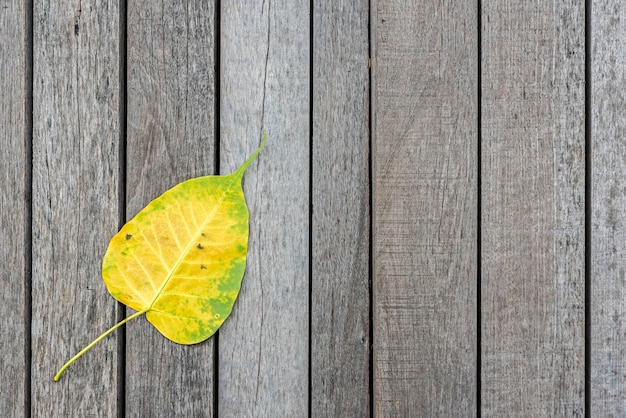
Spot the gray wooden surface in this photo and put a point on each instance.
(533, 209)
(14, 221)
(608, 225)
(340, 218)
(425, 203)
(436, 214)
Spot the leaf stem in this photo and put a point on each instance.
(94, 342)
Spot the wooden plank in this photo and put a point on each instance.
(425, 209)
(608, 235)
(533, 188)
(13, 207)
(75, 204)
(264, 345)
(170, 138)
(340, 308)
(340, 197)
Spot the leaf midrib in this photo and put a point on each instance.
(194, 238)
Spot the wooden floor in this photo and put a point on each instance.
(438, 221)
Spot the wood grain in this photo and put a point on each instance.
(264, 345)
(608, 235)
(75, 204)
(425, 209)
(171, 138)
(340, 338)
(14, 316)
(533, 194)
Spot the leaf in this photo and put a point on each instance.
(181, 259)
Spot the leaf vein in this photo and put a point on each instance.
(137, 292)
(173, 230)
(146, 272)
(159, 253)
(184, 218)
(193, 217)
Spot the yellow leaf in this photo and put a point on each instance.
(181, 259)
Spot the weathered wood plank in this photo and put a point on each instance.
(264, 346)
(75, 203)
(13, 207)
(425, 209)
(533, 188)
(170, 138)
(340, 309)
(608, 235)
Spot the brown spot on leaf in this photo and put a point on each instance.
(199, 246)
(202, 267)
(128, 236)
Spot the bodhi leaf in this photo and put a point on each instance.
(181, 259)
